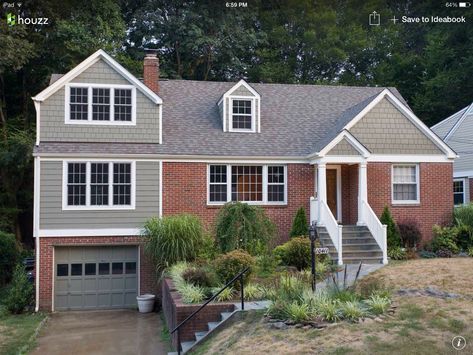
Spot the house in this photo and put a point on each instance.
(457, 132)
(112, 151)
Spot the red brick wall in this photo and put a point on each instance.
(185, 190)
(436, 195)
(349, 194)
(147, 280)
(470, 181)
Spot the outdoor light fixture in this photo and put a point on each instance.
(313, 238)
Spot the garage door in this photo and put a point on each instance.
(95, 277)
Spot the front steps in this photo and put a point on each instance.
(358, 245)
(211, 326)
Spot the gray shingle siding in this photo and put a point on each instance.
(53, 217)
(385, 130)
(343, 148)
(53, 128)
(242, 91)
(462, 142)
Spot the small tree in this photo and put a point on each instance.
(9, 256)
(393, 236)
(299, 225)
(243, 226)
(20, 292)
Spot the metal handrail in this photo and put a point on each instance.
(238, 276)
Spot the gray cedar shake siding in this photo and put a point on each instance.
(385, 130)
(343, 148)
(53, 217)
(53, 128)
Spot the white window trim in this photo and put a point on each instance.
(406, 202)
(111, 122)
(253, 114)
(463, 193)
(88, 206)
(264, 202)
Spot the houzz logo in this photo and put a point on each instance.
(13, 20)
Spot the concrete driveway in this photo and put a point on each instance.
(101, 332)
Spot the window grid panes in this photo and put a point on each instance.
(218, 183)
(99, 184)
(78, 104)
(405, 182)
(276, 183)
(76, 184)
(100, 104)
(241, 114)
(122, 109)
(121, 184)
(247, 183)
(458, 192)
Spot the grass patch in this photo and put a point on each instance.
(164, 335)
(411, 312)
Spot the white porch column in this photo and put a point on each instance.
(321, 186)
(362, 191)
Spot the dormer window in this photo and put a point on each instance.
(242, 115)
(100, 104)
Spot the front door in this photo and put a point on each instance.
(332, 196)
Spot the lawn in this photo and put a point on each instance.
(421, 325)
(17, 331)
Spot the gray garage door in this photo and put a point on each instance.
(95, 277)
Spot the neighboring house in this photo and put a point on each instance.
(457, 132)
(112, 151)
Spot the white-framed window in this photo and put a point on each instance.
(405, 183)
(100, 104)
(242, 114)
(96, 185)
(254, 184)
(458, 192)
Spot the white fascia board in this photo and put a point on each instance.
(37, 106)
(94, 58)
(246, 85)
(100, 232)
(360, 148)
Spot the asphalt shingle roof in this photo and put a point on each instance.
(296, 120)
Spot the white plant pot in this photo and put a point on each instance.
(145, 303)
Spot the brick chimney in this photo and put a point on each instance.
(151, 69)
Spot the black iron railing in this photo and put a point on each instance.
(239, 276)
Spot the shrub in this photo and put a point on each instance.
(444, 239)
(297, 253)
(444, 253)
(397, 253)
(427, 254)
(208, 249)
(225, 295)
(393, 237)
(297, 312)
(352, 310)
(175, 272)
(409, 233)
(265, 265)
(199, 277)
(20, 292)
(470, 251)
(172, 239)
(378, 304)
(9, 256)
(299, 225)
(253, 292)
(227, 266)
(329, 311)
(464, 236)
(191, 293)
(243, 226)
(463, 217)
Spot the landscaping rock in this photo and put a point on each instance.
(368, 320)
(290, 322)
(429, 291)
(278, 325)
(306, 327)
(299, 325)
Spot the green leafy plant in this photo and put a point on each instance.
(208, 249)
(329, 310)
(20, 291)
(199, 277)
(444, 239)
(172, 239)
(352, 310)
(265, 265)
(191, 293)
(397, 253)
(228, 265)
(464, 236)
(226, 295)
(9, 256)
(470, 251)
(393, 236)
(427, 254)
(175, 272)
(253, 292)
(463, 217)
(299, 225)
(298, 312)
(410, 234)
(378, 304)
(243, 226)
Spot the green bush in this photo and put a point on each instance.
(172, 239)
(199, 277)
(227, 266)
(444, 239)
(427, 254)
(296, 252)
(299, 225)
(243, 226)
(393, 236)
(464, 236)
(208, 249)
(20, 291)
(191, 293)
(470, 251)
(397, 253)
(9, 256)
(265, 265)
(378, 304)
(409, 233)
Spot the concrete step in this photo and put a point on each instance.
(200, 335)
(364, 260)
(354, 246)
(212, 325)
(347, 241)
(363, 253)
(226, 315)
(186, 345)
